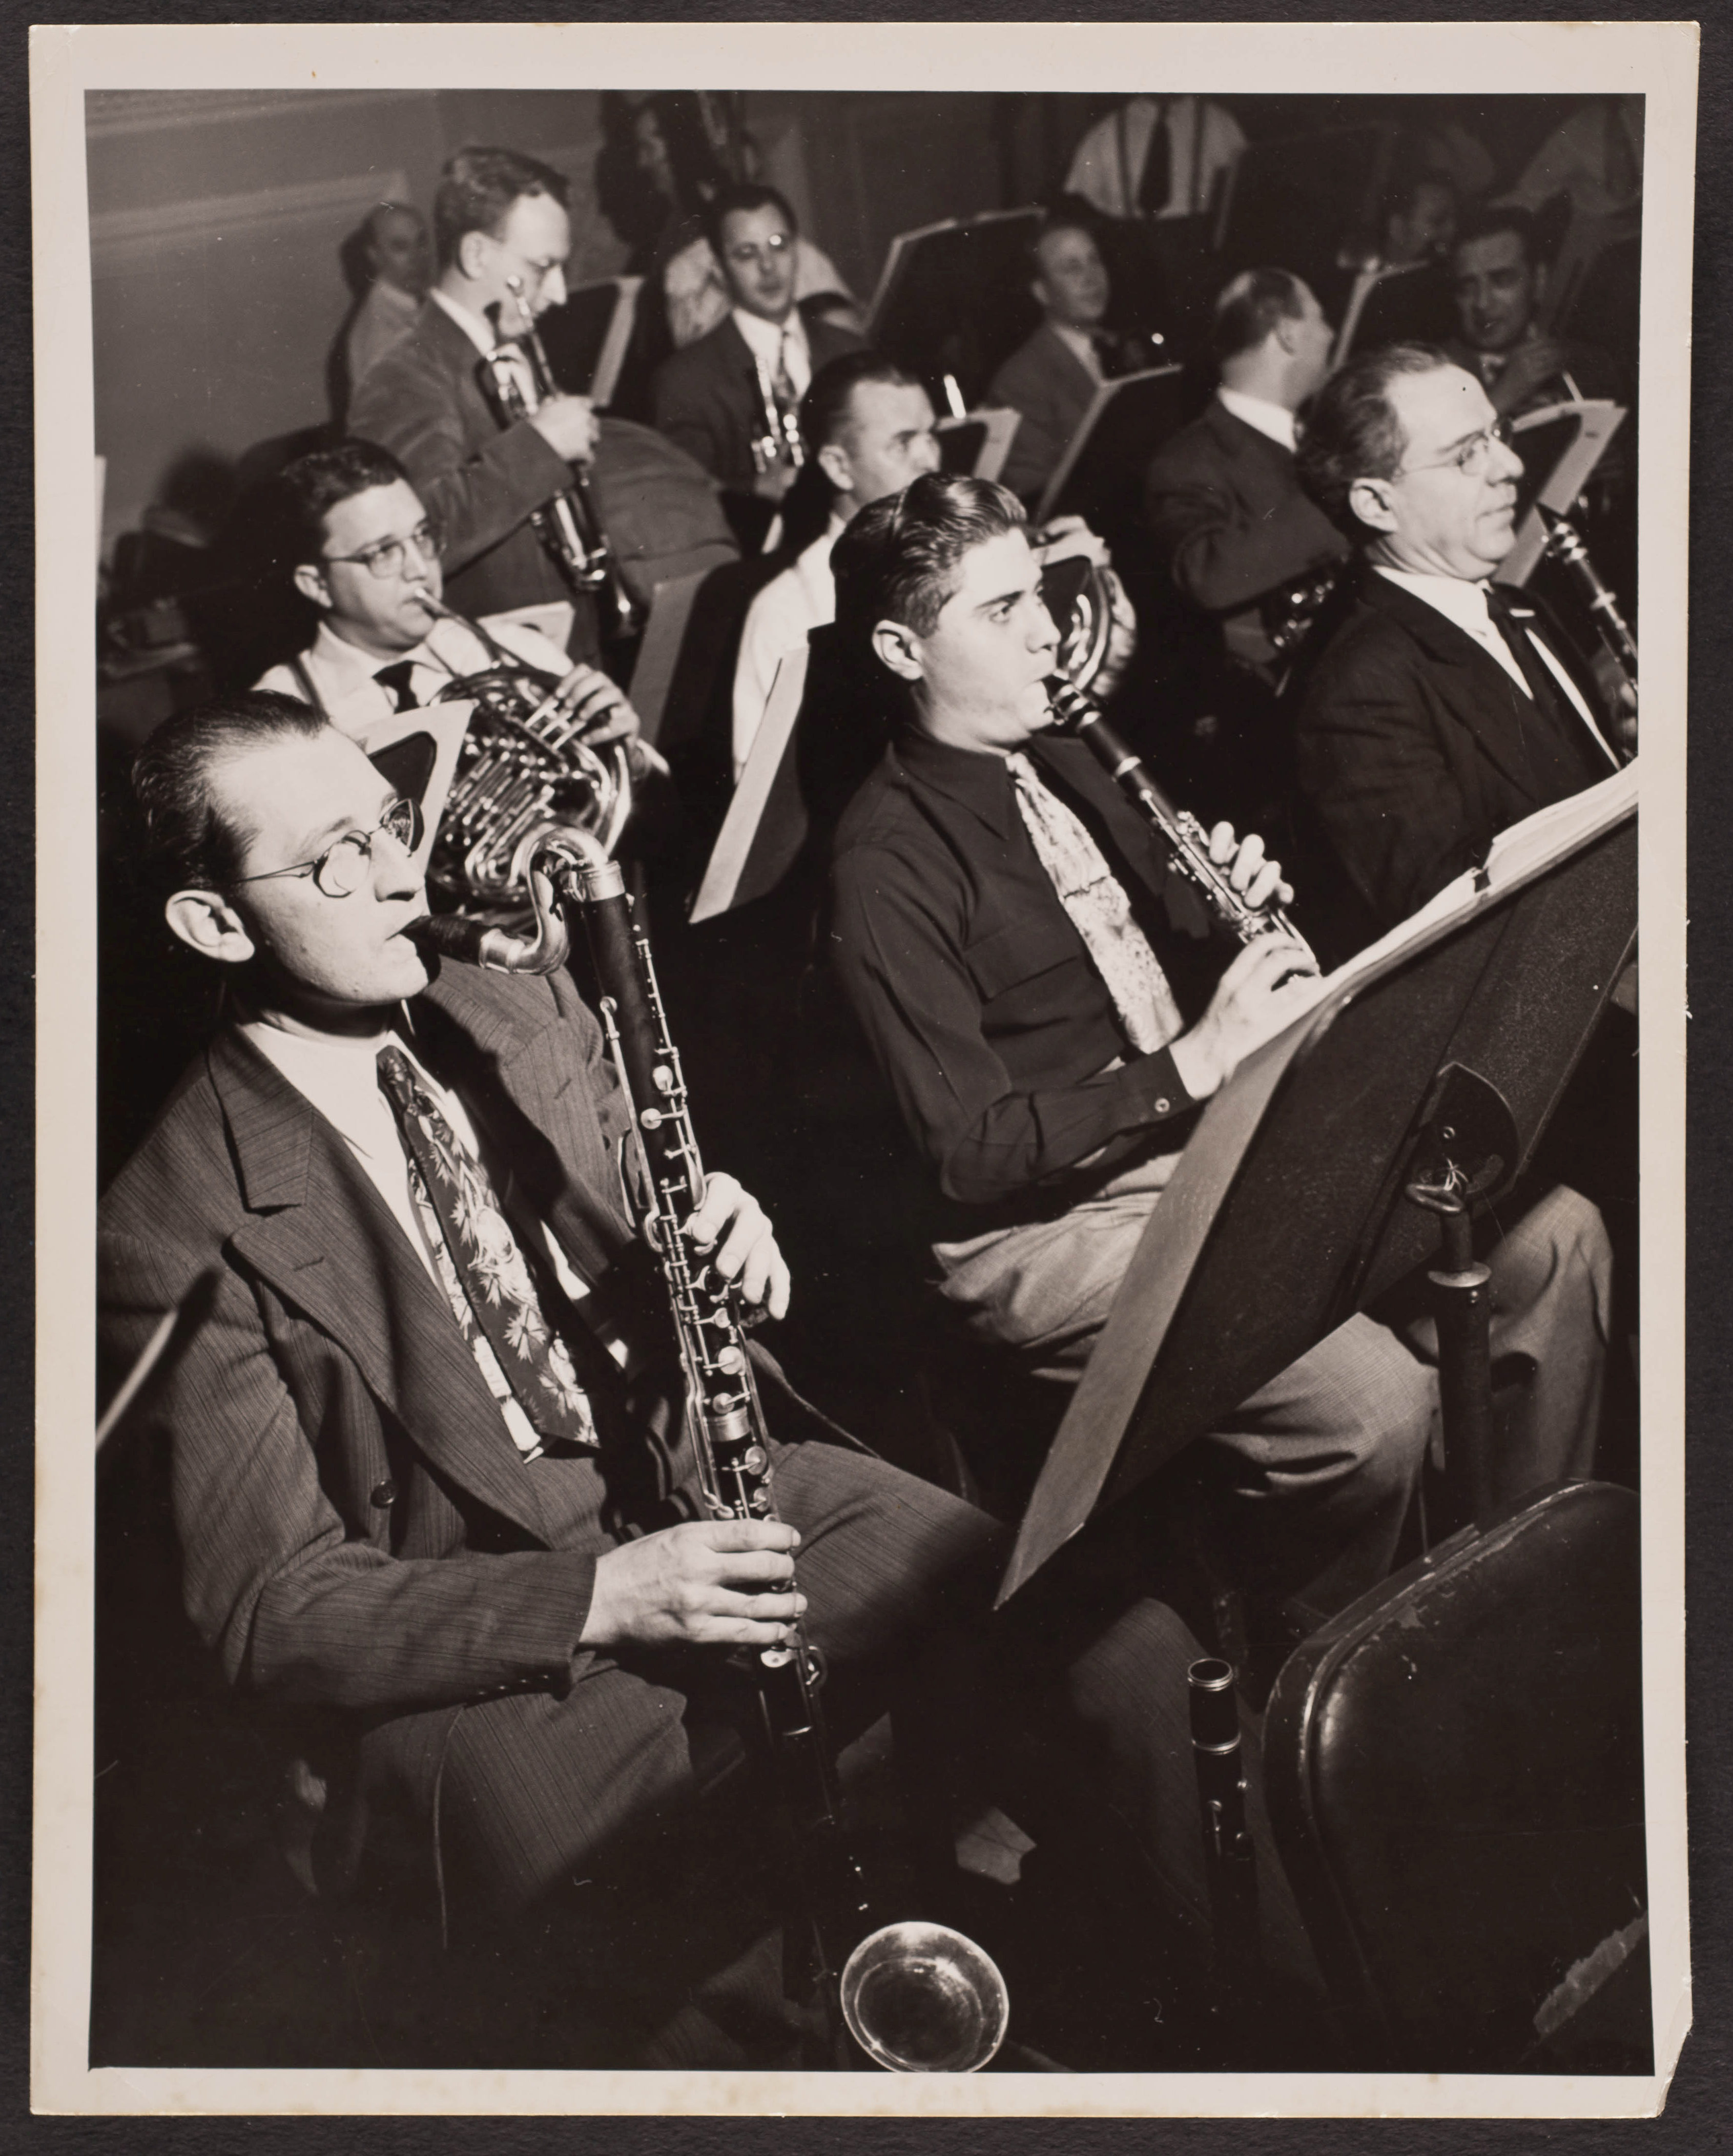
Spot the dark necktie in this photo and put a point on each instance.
(1564, 727)
(1155, 186)
(487, 1276)
(397, 678)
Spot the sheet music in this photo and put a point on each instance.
(1002, 424)
(764, 760)
(1087, 426)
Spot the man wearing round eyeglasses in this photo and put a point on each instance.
(1443, 707)
(717, 397)
(367, 556)
(436, 1509)
(503, 236)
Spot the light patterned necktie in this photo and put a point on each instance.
(1100, 910)
(486, 1278)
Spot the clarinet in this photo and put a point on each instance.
(1185, 839)
(1230, 1859)
(913, 1996)
(1563, 542)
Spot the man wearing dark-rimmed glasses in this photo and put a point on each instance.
(368, 554)
(1443, 707)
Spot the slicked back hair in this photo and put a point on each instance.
(1250, 306)
(314, 484)
(830, 394)
(1353, 433)
(476, 190)
(898, 559)
(185, 844)
(1485, 223)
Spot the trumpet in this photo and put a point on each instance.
(1185, 839)
(915, 1997)
(568, 526)
(777, 439)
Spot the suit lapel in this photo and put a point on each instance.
(1475, 687)
(320, 1234)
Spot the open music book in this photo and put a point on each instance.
(1515, 855)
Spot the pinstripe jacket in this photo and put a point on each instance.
(357, 1529)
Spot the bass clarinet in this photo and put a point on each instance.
(915, 1997)
(1186, 840)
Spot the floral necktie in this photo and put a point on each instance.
(486, 1277)
(1099, 910)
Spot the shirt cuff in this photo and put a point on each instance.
(1157, 1087)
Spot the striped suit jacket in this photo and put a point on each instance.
(358, 1532)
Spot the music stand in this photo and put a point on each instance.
(978, 443)
(1394, 306)
(1101, 475)
(954, 298)
(1286, 1212)
(586, 336)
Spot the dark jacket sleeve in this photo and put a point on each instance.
(691, 412)
(1044, 423)
(901, 963)
(1381, 787)
(1221, 550)
(478, 496)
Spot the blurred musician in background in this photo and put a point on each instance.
(366, 554)
(1232, 524)
(868, 427)
(503, 237)
(730, 399)
(1419, 221)
(1156, 157)
(1011, 936)
(399, 262)
(1442, 708)
(1500, 283)
(1050, 380)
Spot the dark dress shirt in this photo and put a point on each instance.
(982, 1007)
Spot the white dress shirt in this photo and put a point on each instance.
(803, 597)
(340, 1077)
(786, 340)
(1108, 168)
(1463, 601)
(1275, 421)
(344, 676)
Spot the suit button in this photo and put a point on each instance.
(384, 1494)
(1162, 1107)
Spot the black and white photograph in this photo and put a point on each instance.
(880, 1293)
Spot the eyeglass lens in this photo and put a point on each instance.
(342, 870)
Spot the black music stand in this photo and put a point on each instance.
(1100, 477)
(953, 299)
(586, 335)
(1287, 1213)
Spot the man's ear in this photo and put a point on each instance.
(472, 253)
(833, 461)
(1373, 501)
(309, 580)
(897, 647)
(206, 922)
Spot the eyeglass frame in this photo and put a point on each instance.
(364, 839)
(1499, 434)
(430, 549)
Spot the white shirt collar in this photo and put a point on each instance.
(1460, 599)
(1274, 421)
(765, 339)
(472, 326)
(339, 1073)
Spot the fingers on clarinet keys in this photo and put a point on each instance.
(1255, 876)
